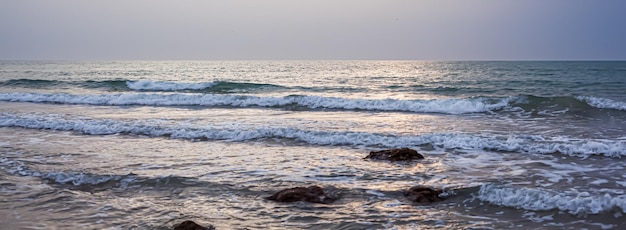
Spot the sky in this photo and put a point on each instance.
(312, 30)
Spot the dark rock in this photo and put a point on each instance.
(402, 154)
(190, 225)
(423, 194)
(313, 194)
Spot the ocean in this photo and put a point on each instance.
(149, 144)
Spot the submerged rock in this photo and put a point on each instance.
(423, 194)
(313, 194)
(190, 225)
(401, 154)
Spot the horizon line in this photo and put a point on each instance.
(296, 59)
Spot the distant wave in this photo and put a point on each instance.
(448, 106)
(167, 86)
(565, 103)
(234, 132)
(29, 82)
(142, 85)
(109, 85)
(537, 199)
(215, 86)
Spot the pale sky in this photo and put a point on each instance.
(313, 29)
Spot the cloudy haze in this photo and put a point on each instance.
(321, 29)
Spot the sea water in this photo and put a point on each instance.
(149, 144)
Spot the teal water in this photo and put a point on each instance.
(144, 144)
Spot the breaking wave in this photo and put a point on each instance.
(534, 144)
(541, 105)
(447, 106)
(536, 199)
(603, 103)
(167, 86)
(213, 87)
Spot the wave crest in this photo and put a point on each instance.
(242, 132)
(167, 86)
(603, 103)
(577, 203)
(447, 106)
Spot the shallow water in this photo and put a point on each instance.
(146, 145)
(139, 182)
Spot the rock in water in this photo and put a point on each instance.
(313, 194)
(402, 154)
(423, 194)
(190, 225)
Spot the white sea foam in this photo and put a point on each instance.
(578, 203)
(448, 106)
(167, 86)
(599, 181)
(602, 103)
(243, 132)
(375, 193)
